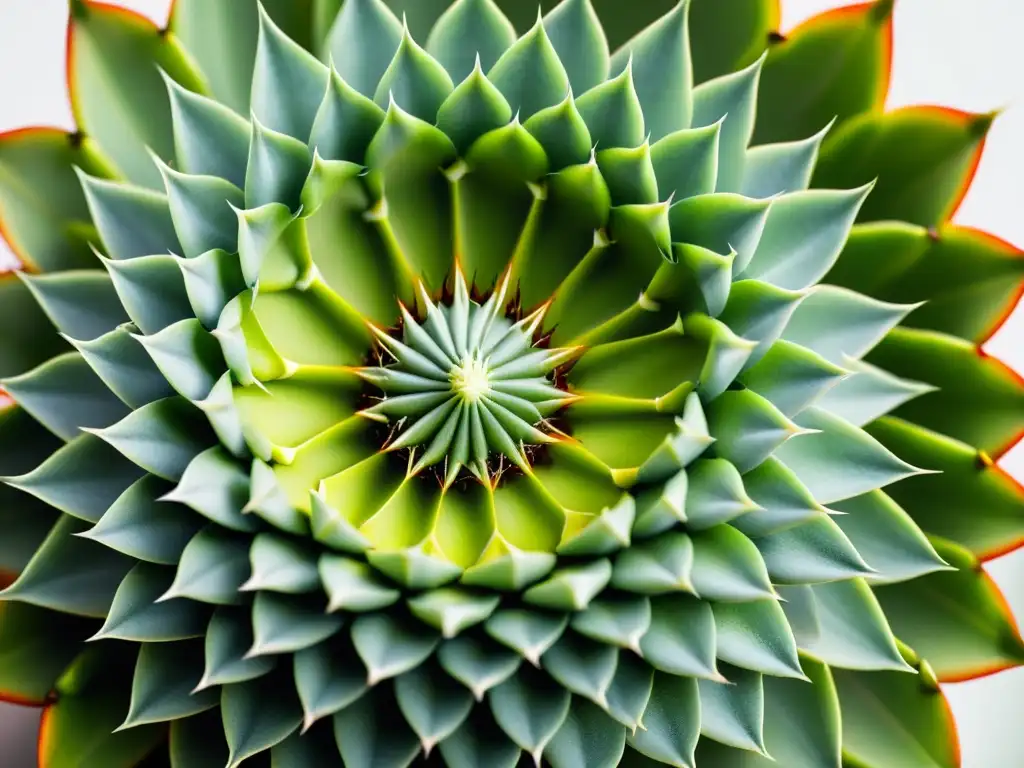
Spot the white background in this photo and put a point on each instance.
(967, 54)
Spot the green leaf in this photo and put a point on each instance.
(414, 80)
(892, 718)
(287, 623)
(613, 113)
(728, 567)
(527, 631)
(305, 750)
(114, 82)
(804, 235)
(82, 304)
(90, 703)
(657, 566)
(790, 707)
(588, 737)
(720, 48)
(407, 155)
(716, 494)
(681, 638)
(721, 222)
(473, 108)
(748, 428)
(22, 351)
(82, 478)
(958, 620)
(288, 83)
(868, 393)
(213, 566)
(212, 279)
(217, 488)
(833, 65)
(353, 586)
(162, 437)
(969, 279)
(198, 740)
(810, 552)
(152, 291)
(43, 392)
(530, 708)
(733, 713)
(836, 322)
(961, 373)
(137, 614)
(36, 645)
(615, 622)
(345, 123)
(583, 666)
(466, 30)
(756, 636)
(671, 722)
(131, 221)
(257, 715)
(477, 663)
(390, 646)
(529, 73)
(368, 733)
(361, 43)
(45, 218)
(209, 139)
(229, 638)
(853, 630)
(570, 588)
(451, 610)
(686, 162)
(277, 168)
(124, 366)
(578, 36)
(222, 40)
(840, 460)
(281, 565)
(163, 683)
(783, 500)
(202, 210)
(329, 677)
(432, 703)
(630, 690)
(659, 56)
(923, 157)
(774, 169)
(971, 500)
(887, 538)
(728, 102)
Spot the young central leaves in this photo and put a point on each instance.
(467, 384)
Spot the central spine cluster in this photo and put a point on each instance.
(467, 385)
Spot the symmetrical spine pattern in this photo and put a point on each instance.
(479, 395)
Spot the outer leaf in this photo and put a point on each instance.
(972, 501)
(221, 38)
(970, 280)
(117, 96)
(961, 373)
(20, 352)
(43, 216)
(721, 48)
(36, 645)
(257, 715)
(923, 157)
(92, 700)
(958, 620)
(892, 718)
(70, 574)
(834, 64)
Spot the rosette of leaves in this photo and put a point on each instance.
(452, 382)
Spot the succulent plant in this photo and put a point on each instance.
(418, 381)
